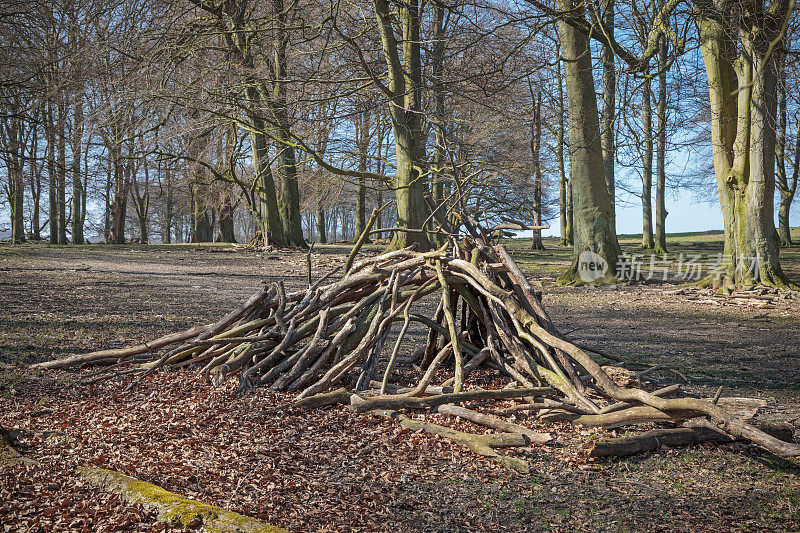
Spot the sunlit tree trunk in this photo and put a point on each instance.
(647, 167)
(289, 201)
(743, 95)
(661, 152)
(536, 143)
(786, 186)
(403, 60)
(363, 141)
(593, 221)
(563, 200)
(609, 106)
(266, 199)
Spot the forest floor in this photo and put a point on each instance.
(330, 470)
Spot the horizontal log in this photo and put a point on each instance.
(120, 353)
(173, 508)
(360, 405)
(340, 395)
(632, 415)
(652, 440)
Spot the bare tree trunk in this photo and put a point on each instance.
(61, 170)
(596, 248)
(78, 193)
(141, 200)
(35, 184)
(609, 106)
(226, 233)
(52, 180)
(786, 187)
(266, 195)
(12, 132)
(536, 140)
(119, 205)
(647, 168)
(661, 152)
(403, 61)
(563, 200)
(743, 136)
(363, 138)
(289, 202)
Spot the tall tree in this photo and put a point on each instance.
(660, 245)
(401, 44)
(738, 51)
(593, 211)
(787, 186)
(609, 102)
(536, 144)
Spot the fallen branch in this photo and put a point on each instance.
(173, 508)
(481, 444)
(360, 405)
(652, 440)
(494, 422)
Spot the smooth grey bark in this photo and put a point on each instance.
(536, 142)
(609, 105)
(786, 186)
(661, 152)
(593, 221)
(647, 167)
(743, 135)
(563, 200)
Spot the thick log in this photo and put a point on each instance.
(640, 414)
(173, 508)
(652, 440)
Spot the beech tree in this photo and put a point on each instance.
(738, 43)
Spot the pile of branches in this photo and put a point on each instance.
(333, 342)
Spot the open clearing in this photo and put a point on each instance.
(333, 470)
